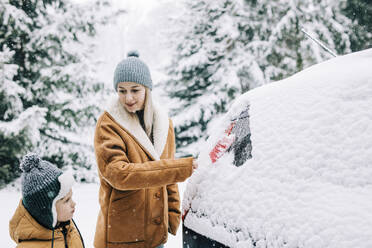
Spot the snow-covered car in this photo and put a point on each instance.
(289, 165)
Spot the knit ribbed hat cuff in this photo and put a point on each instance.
(67, 181)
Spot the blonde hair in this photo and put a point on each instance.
(148, 113)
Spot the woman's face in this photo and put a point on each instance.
(132, 96)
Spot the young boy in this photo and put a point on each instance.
(43, 217)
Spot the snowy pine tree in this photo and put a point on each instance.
(19, 128)
(202, 63)
(223, 48)
(360, 12)
(48, 84)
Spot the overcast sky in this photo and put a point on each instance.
(138, 29)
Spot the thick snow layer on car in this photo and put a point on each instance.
(309, 180)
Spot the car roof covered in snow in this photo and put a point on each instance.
(308, 181)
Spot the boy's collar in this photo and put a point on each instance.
(63, 224)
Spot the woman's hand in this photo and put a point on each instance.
(194, 165)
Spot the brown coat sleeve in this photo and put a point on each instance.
(115, 167)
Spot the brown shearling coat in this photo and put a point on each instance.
(138, 194)
(28, 233)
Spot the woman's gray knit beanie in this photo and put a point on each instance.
(132, 69)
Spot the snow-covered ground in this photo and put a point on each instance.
(86, 198)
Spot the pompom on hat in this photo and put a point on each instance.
(132, 69)
(43, 184)
(29, 162)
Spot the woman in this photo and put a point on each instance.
(134, 146)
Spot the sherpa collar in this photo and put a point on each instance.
(131, 124)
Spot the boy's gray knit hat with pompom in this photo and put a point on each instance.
(132, 69)
(43, 184)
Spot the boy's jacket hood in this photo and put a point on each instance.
(24, 227)
(27, 232)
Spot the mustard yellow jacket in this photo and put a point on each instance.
(138, 196)
(28, 233)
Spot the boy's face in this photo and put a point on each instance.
(65, 208)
